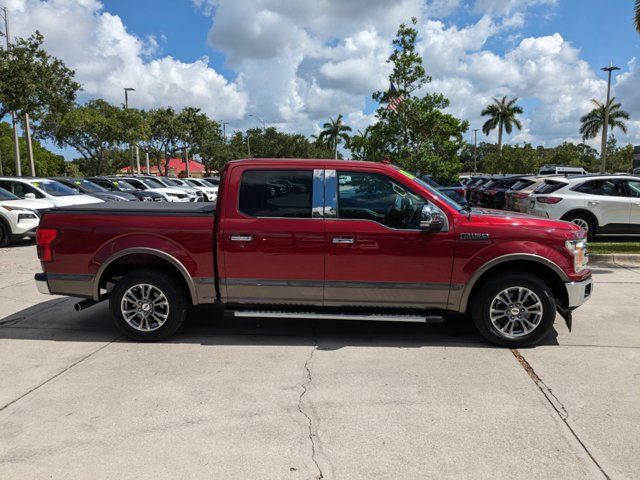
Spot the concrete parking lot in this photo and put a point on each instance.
(276, 399)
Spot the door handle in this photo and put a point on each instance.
(241, 238)
(343, 240)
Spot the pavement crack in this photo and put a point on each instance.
(556, 404)
(66, 369)
(313, 434)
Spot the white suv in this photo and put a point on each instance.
(18, 218)
(600, 204)
(44, 189)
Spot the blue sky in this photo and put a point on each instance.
(295, 64)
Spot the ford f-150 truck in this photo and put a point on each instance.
(317, 239)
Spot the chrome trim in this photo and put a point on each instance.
(330, 194)
(41, 283)
(343, 240)
(576, 292)
(464, 297)
(151, 251)
(317, 200)
(241, 238)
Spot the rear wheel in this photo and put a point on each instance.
(514, 310)
(5, 235)
(583, 221)
(148, 305)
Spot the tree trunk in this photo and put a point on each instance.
(99, 164)
(335, 150)
(500, 138)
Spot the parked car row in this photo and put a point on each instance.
(600, 204)
(23, 198)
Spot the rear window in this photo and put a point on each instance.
(549, 186)
(521, 184)
(276, 193)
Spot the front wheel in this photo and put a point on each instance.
(148, 305)
(583, 221)
(514, 310)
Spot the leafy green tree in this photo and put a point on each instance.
(334, 132)
(503, 116)
(34, 82)
(46, 162)
(94, 130)
(359, 144)
(417, 135)
(619, 159)
(166, 134)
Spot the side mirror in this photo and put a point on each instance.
(431, 219)
(30, 196)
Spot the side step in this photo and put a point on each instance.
(340, 316)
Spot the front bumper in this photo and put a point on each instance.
(41, 283)
(578, 292)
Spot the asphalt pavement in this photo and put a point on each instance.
(292, 399)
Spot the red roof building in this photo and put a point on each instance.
(177, 168)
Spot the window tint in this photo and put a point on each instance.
(7, 195)
(21, 189)
(54, 188)
(612, 187)
(634, 188)
(369, 196)
(549, 186)
(276, 193)
(521, 184)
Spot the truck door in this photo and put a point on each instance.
(376, 255)
(271, 238)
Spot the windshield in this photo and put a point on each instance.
(87, 186)
(193, 183)
(179, 182)
(7, 195)
(54, 188)
(443, 198)
(207, 183)
(151, 183)
(123, 185)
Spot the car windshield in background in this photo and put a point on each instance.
(88, 186)
(192, 183)
(124, 185)
(179, 182)
(151, 183)
(549, 186)
(172, 182)
(207, 183)
(520, 184)
(54, 188)
(424, 184)
(7, 195)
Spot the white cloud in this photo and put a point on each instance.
(107, 58)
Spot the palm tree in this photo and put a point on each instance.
(503, 116)
(592, 122)
(636, 20)
(358, 144)
(334, 131)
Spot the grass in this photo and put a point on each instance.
(614, 247)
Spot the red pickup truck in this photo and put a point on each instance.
(317, 239)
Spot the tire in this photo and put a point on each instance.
(584, 221)
(5, 235)
(487, 300)
(162, 305)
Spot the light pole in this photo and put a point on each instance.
(224, 131)
(126, 107)
(260, 120)
(475, 150)
(603, 146)
(16, 146)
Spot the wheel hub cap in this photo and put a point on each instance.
(516, 311)
(144, 307)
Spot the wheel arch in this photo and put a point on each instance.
(132, 259)
(541, 267)
(582, 211)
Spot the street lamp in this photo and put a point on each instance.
(126, 96)
(126, 107)
(260, 120)
(224, 131)
(475, 150)
(603, 146)
(4, 13)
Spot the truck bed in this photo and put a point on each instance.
(186, 209)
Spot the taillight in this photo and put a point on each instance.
(520, 195)
(44, 239)
(550, 200)
(490, 192)
(461, 191)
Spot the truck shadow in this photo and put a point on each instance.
(55, 320)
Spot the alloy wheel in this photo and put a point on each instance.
(144, 307)
(516, 311)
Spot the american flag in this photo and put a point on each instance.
(395, 99)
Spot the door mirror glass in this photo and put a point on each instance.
(431, 219)
(30, 196)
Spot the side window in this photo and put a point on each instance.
(276, 193)
(7, 185)
(370, 196)
(611, 188)
(21, 189)
(634, 188)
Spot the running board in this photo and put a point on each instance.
(340, 316)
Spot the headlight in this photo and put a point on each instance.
(26, 216)
(578, 248)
